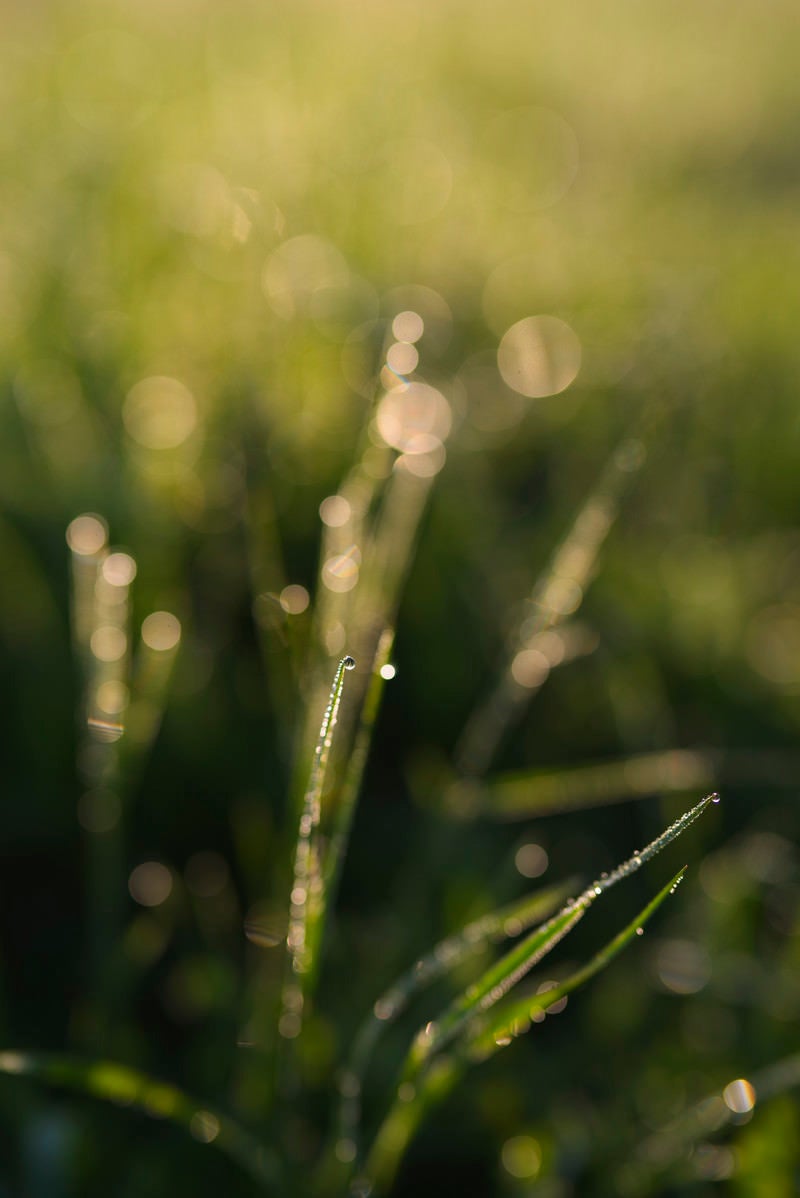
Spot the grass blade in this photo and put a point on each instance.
(557, 594)
(129, 1088)
(307, 894)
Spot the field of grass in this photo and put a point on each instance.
(460, 339)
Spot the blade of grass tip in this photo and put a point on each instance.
(415, 1098)
(380, 673)
(557, 594)
(497, 981)
(307, 893)
(510, 920)
(545, 792)
(129, 1088)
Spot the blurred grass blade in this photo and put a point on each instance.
(129, 1088)
(510, 920)
(557, 594)
(307, 894)
(515, 1017)
(546, 792)
(670, 1146)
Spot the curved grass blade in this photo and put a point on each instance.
(129, 1088)
(414, 1100)
(510, 920)
(356, 764)
(307, 894)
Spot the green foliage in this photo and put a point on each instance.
(589, 592)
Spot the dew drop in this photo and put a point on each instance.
(640, 931)
(715, 798)
(349, 663)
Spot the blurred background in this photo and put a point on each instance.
(210, 218)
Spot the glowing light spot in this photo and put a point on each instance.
(119, 569)
(340, 572)
(388, 672)
(521, 1157)
(682, 967)
(204, 1126)
(112, 696)
(294, 599)
(739, 1096)
(161, 631)
(206, 874)
(429, 307)
(335, 511)
(13, 1062)
(408, 326)
(87, 535)
(539, 356)
(108, 643)
(345, 1151)
(384, 1009)
(160, 412)
(150, 883)
(402, 359)
(529, 668)
(414, 419)
(531, 860)
(535, 153)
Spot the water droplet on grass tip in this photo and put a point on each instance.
(715, 798)
(640, 931)
(349, 663)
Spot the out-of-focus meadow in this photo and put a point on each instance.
(211, 215)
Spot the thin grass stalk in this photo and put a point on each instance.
(356, 764)
(127, 1087)
(307, 895)
(557, 594)
(668, 1150)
